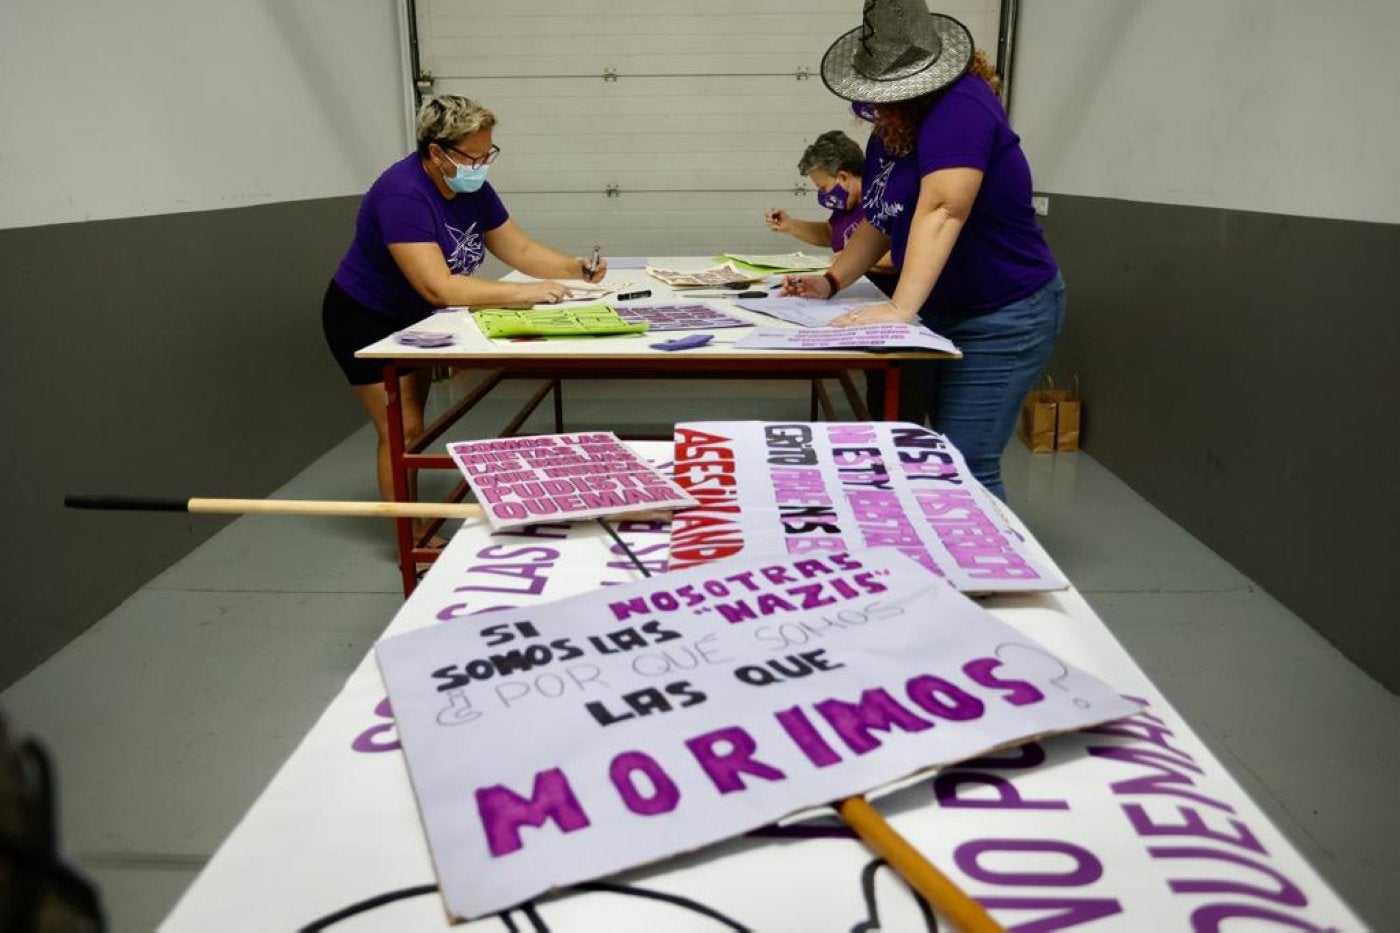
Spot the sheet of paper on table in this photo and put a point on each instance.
(864, 337)
(779, 488)
(713, 277)
(580, 291)
(776, 263)
(561, 477)
(690, 316)
(815, 312)
(627, 764)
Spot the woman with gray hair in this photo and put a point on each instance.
(833, 164)
(422, 231)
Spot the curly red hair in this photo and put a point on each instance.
(897, 124)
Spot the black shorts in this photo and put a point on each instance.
(350, 326)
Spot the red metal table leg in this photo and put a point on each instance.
(891, 391)
(403, 527)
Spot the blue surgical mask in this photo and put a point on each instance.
(863, 111)
(467, 179)
(833, 198)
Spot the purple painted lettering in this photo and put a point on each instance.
(503, 811)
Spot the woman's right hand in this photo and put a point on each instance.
(805, 286)
(778, 220)
(543, 293)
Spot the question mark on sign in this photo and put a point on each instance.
(1040, 671)
(458, 710)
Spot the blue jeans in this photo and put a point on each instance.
(975, 400)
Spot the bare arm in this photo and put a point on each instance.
(945, 201)
(516, 249)
(865, 245)
(816, 232)
(426, 270)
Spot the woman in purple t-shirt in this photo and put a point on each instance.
(834, 164)
(422, 231)
(948, 193)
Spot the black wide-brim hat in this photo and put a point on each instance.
(899, 52)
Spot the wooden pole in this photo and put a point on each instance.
(932, 885)
(464, 510)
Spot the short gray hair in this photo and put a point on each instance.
(833, 152)
(449, 118)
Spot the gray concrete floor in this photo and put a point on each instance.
(169, 715)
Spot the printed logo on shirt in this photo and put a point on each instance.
(877, 210)
(467, 250)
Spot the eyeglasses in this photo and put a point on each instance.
(476, 161)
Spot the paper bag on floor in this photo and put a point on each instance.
(1050, 419)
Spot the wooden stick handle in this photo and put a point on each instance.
(329, 507)
(308, 507)
(942, 895)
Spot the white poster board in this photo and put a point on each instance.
(606, 755)
(773, 488)
(561, 477)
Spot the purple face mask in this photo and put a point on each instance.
(864, 112)
(833, 198)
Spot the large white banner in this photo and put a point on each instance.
(561, 744)
(773, 488)
(1134, 825)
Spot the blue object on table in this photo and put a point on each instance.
(684, 343)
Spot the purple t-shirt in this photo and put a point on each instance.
(1001, 255)
(843, 224)
(404, 206)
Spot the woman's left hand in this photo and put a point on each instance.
(598, 273)
(872, 314)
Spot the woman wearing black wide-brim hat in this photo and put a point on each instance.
(948, 194)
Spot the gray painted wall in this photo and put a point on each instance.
(169, 355)
(1239, 370)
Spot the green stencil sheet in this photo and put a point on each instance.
(582, 321)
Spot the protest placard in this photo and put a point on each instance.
(561, 477)
(825, 488)
(863, 337)
(582, 737)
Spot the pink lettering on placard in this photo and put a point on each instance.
(799, 486)
(947, 788)
(1017, 692)
(1056, 913)
(1068, 866)
(947, 785)
(876, 711)
(1283, 891)
(850, 432)
(796, 724)
(1170, 777)
(380, 737)
(725, 768)
(503, 812)
(943, 699)
(1192, 823)
(1083, 866)
(970, 536)
(1211, 918)
(664, 796)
